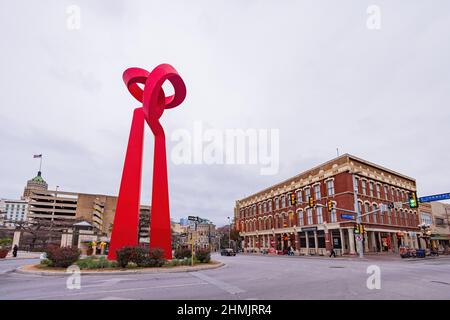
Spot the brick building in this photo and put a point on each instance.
(267, 219)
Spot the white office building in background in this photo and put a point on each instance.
(13, 211)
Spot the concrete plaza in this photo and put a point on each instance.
(251, 277)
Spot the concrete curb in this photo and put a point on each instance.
(21, 270)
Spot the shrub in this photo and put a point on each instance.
(140, 256)
(203, 256)
(46, 263)
(178, 262)
(183, 253)
(5, 242)
(95, 263)
(124, 256)
(62, 257)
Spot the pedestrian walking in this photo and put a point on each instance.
(332, 253)
(15, 249)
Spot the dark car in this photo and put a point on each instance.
(227, 252)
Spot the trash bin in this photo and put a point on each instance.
(420, 253)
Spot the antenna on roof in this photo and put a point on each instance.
(337, 151)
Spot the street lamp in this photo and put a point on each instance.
(53, 216)
(229, 233)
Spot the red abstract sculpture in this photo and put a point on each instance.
(126, 221)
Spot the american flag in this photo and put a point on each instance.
(37, 156)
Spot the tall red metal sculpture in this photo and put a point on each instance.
(154, 102)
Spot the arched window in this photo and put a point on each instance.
(374, 214)
(299, 196)
(366, 210)
(300, 218)
(333, 215)
(309, 215)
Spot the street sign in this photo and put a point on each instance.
(192, 218)
(436, 197)
(347, 216)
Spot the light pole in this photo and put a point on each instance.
(53, 215)
(229, 233)
(359, 240)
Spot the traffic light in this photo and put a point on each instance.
(293, 199)
(330, 205)
(356, 229)
(359, 229)
(413, 203)
(311, 202)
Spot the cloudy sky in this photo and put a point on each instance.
(312, 69)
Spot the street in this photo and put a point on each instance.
(246, 277)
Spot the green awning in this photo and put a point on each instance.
(440, 237)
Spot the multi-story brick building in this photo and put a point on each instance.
(267, 219)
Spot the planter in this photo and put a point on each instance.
(3, 253)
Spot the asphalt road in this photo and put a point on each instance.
(248, 277)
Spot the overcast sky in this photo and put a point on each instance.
(312, 69)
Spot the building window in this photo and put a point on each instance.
(386, 191)
(319, 215)
(439, 221)
(333, 216)
(378, 191)
(366, 210)
(363, 187)
(259, 208)
(309, 215)
(299, 196)
(307, 194)
(276, 204)
(270, 205)
(388, 215)
(317, 191)
(300, 217)
(283, 201)
(330, 187)
(374, 214)
(371, 188)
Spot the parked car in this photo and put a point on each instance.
(227, 252)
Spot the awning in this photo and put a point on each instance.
(440, 237)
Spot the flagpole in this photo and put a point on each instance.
(40, 164)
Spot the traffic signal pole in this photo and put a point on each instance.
(359, 243)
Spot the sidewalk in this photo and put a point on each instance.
(367, 257)
(23, 255)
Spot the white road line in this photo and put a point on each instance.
(116, 290)
(220, 284)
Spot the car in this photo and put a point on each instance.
(227, 252)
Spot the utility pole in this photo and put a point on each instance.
(359, 240)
